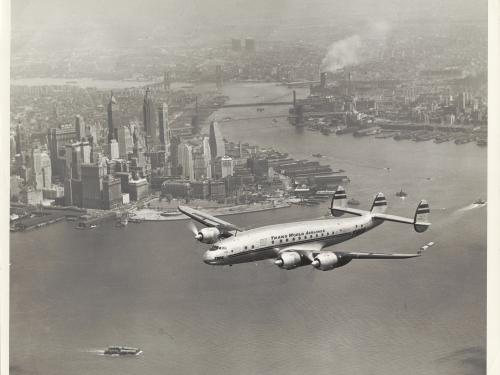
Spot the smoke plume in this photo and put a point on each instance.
(342, 53)
(349, 51)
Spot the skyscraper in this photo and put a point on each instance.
(250, 44)
(165, 133)
(236, 44)
(166, 80)
(149, 118)
(79, 127)
(125, 142)
(113, 149)
(186, 161)
(207, 155)
(46, 171)
(112, 120)
(227, 166)
(217, 148)
(174, 155)
(36, 177)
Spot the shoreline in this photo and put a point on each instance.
(147, 214)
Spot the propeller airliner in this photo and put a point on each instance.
(297, 244)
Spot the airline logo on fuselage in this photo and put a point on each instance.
(298, 234)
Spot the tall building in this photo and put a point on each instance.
(149, 119)
(46, 171)
(227, 166)
(36, 177)
(216, 142)
(13, 145)
(250, 44)
(166, 80)
(92, 185)
(111, 192)
(91, 134)
(113, 120)
(174, 154)
(113, 149)
(186, 161)
(165, 133)
(125, 142)
(79, 127)
(57, 138)
(236, 44)
(207, 155)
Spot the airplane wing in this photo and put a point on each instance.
(206, 219)
(360, 255)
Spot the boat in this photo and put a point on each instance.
(317, 155)
(136, 220)
(122, 350)
(480, 201)
(170, 213)
(353, 202)
(401, 193)
(92, 226)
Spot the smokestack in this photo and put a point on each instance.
(322, 80)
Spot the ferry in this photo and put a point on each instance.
(401, 194)
(170, 213)
(122, 350)
(353, 202)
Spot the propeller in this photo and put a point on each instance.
(194, 230)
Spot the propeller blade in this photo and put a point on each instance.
(192, 227)
(194, 230)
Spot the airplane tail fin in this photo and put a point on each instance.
(421, 219)
(379, 205)
(339, 202)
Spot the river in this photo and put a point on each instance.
(76, 292)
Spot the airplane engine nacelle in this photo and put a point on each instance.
(326, 261)
(289, 260)
(208, 235)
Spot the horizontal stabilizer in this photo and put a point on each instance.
(420, 221)
(339, 207)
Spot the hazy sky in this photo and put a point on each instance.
(50, 12)
(65, 24)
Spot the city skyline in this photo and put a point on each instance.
(121, 112)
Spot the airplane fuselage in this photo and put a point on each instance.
(266, 242)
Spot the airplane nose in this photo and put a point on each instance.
(206, 257)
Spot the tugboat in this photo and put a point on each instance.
(122, 350)
(353, 202)
(401, 193)
(480, 201)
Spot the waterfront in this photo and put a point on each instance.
(146, 285)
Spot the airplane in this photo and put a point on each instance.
(292, 245)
